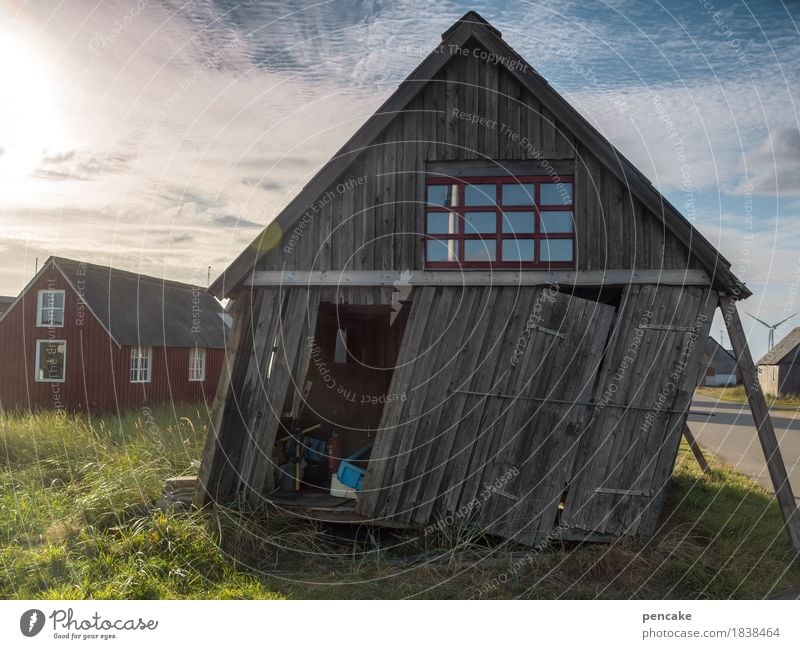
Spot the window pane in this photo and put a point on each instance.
(51, 361)
(52, 308)
(555, 249)
(480, 222)
(518, 222)
(555, 222)
(440, 250)
(555, 194)
(444, 195)
(480, 195)
(480, 250)
(442, 222)
(517, 194)
(518, 250)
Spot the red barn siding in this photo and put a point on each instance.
(97, 370)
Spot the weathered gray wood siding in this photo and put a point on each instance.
(376, 223)
(271, 362)
(646, 381)
(458, 443)
(782, 379)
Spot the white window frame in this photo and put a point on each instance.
(39, 341)
(40, 306)
(137, 354)
(197, 364)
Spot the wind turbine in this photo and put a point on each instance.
(771, 328)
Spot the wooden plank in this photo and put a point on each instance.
(696, 450)
(256, 389)
(389, 208)
(452, 103)
(421, 384)
(235, 434)
(503, 116)
(368, 214)
(485, 167)
(680, 358)
(212, 442)
(358, 219)
(490, 144)
(543, 440)
(548, 135)
(612, 277)
(467, 458)
(344, 250)
(470, 371)
(292, 336)
(533, 127)
(450, 332)
(381, 460)
(760, 411)
(490, 426)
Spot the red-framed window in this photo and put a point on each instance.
(499, 222)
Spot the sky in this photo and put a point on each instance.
(160, 137)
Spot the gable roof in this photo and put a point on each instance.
(783, 349)
(472, 25)
(143, 310)
(717, 352)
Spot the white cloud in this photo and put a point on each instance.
(773, 166)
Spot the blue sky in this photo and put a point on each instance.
(161, 136)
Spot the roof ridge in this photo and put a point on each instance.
(138, 276)
(470, 18)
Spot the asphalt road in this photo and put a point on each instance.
(731, 435)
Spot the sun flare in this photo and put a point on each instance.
(29, 120)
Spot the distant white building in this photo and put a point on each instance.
(779, 368)
(719, 364)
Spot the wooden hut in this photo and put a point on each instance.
(483, 292)
(779, 368)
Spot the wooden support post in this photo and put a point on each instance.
(766, 432)
(696, 450)
(201, 496)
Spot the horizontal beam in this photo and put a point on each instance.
(689, 277)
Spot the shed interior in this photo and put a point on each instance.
(352, 356)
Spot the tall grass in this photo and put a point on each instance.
(77, 521)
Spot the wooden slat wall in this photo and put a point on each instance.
(630, 451)
(437, 451)
(378, 224)
(289, 328)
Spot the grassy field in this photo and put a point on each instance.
(76, 521)
(737, 395)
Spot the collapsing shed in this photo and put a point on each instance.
(485, 299)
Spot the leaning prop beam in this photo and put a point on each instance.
(696, 450)
(766, 431)
(478, 278)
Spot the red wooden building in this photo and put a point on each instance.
(94, 338)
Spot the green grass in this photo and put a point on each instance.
(76, 521)
(737, 395)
